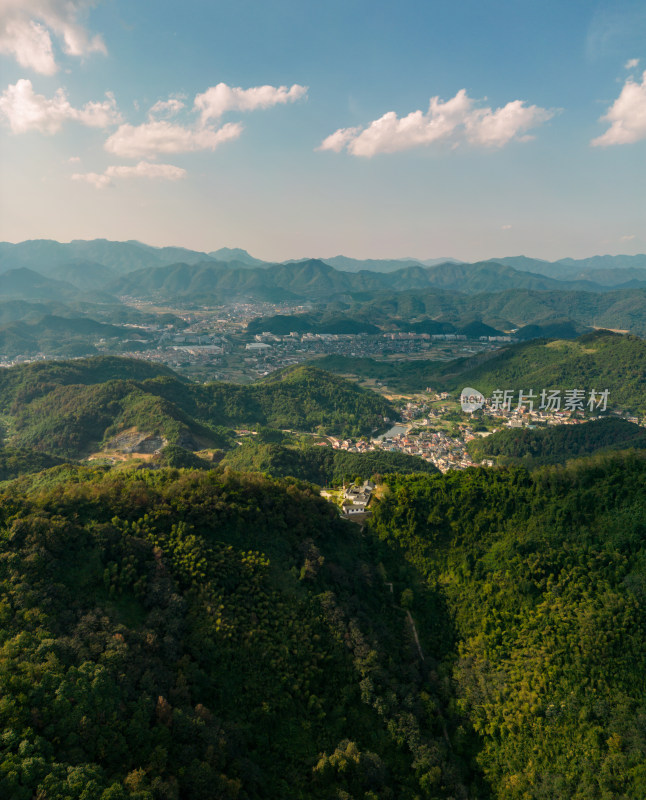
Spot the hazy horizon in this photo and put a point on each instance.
(397, 257)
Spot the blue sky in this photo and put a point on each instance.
(294, 129)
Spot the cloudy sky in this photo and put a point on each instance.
(375, 129)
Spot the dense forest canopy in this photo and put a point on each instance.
(200, 635)
(321, 465)
(557, 444)
(181, 634)
(543, 578)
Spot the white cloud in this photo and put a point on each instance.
(497, 128)
(25, 110)
(627, 116)
(628, 238)
(339, 139)
(453, 121)
(143, 169)
(216, 100)
(166, 108)
(26, 28)
(159, 136)
(162, 136)
(74, 159)
(505, 227)
(99, 180)
(631, 63)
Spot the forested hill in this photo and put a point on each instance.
(600, 360)
(320, 465)
(542, 578)
(178, 634)
(22, 383)
(202, 635)
(558, 444)
(70, 408)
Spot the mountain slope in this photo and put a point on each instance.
(313, 279)
(622, 310)
(558, 444)
(594, 361)
(44, 255)
(320, 465)
(601, 360)
(72, 408)
(198, 635)
(543, 579)
(62, 336)
(26, 284)
(203, 635)
(238, 255)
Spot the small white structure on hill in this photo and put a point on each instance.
(356, 498)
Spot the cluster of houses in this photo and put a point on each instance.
(356, 498)
(442, 450)
(437, 447)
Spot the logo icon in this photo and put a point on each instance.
(471, 400)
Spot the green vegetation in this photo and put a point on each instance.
(20, 385)
(543, 577)
(601, 360)
(284, 324)
(623, 309)
(70, 408)
(552, 329)
(180, 458)
(406, 376)
(200, 635)
(53, 335)
(558, 444)
(321, 465)
(314, 280)
(21, 461)
(555, 313)
(197, 634)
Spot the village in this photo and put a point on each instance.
(434, 429)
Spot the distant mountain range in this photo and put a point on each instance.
(315, 280)
(504, 293)
(49, 257)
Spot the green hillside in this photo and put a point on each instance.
(20, 385)
(26, 284)
(74, 420)
(314, 279)
(320, 465)
(601, 360)
(202, 635)
(178, 634)
(71, 408)
(621, 309)
(558, 444)
(411, 376)
(63, 336)
(15, 462)
(302, 398)
(542, 577)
